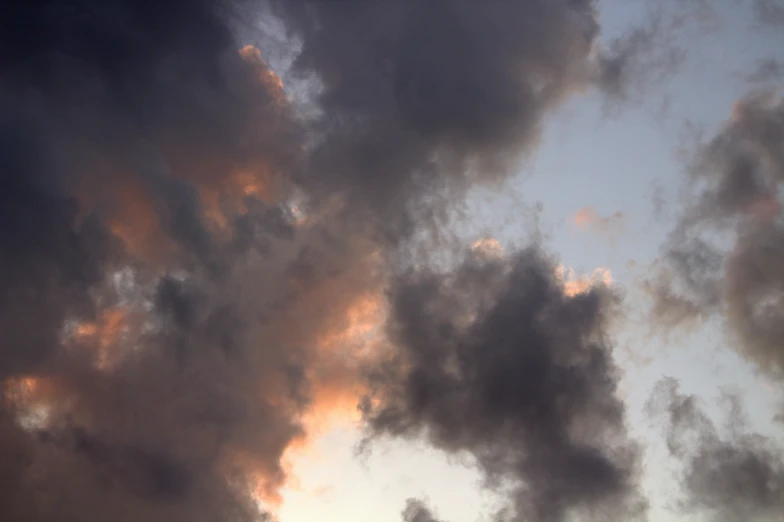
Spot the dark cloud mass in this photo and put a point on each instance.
(182, 250)
(735, 477)
(499, 360)
(421, 95)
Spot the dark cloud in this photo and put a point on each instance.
(48, 256)
(127, 129)
(421, 96)
(753, 289)
(724, 255)
(417, 511)
(184, 248)
(496, 359)
(743, 165)
(739, 477)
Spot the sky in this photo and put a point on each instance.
(389, 260)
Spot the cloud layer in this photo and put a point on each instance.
(193, 257)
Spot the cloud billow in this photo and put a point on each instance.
(189, 266)
(497, 359)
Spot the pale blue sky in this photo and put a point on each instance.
(611, 163)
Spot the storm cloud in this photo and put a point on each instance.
(501, 360)
(144, 255)
(192, 263)
(418, 98)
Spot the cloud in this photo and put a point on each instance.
(652, 51)
(766, 71)
(417, 97)
(588, 219)
(164, 376)
(417, 511)
(685, 285)
(736, 180)
(575, 284)
(487, 246)
(769, 12)
(739, 477)
(194, 253)
(499, 359)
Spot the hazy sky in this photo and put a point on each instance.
(446, 261)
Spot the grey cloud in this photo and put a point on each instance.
(754, 286)
(637, 59)
(769, 12)
(686, 283)
(723, 257)
(419, 97)
(496, 360)
(766, 71)
(417, 511)
(742, 164)
(162, 301)
(645, 56)
(739, 477)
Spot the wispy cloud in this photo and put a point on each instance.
(588, 220)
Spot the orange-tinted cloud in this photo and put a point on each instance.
(575, 284)
(488, 246)
(349, 313)
(224, 198)
(267, 76)
(588, 220)
(104, 334)
(163, 139)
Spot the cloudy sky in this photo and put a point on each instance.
(391, 260)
